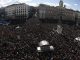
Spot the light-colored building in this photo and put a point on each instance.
(10, 10)
(2, 12)
(78, 21)
(79, 15)
(17, 10)
(51, 12)
(54, 12)
(21, 9)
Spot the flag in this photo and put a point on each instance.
(59, 29)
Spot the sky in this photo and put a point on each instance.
(70, 4)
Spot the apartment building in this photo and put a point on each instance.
(55, 13)
(79, 15)
(17, 10)
(10, 10)
(2, 12)
(21, 9)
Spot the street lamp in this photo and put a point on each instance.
(45, 50)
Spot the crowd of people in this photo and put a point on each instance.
(19, 42)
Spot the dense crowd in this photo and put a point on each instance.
(19, 42)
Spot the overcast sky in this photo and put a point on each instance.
(73, 4)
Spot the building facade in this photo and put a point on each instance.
(17, 10)
(10, 10)
(2, 12)
(78, 21)
(55, 13)
(79, 15)
(21, 9)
